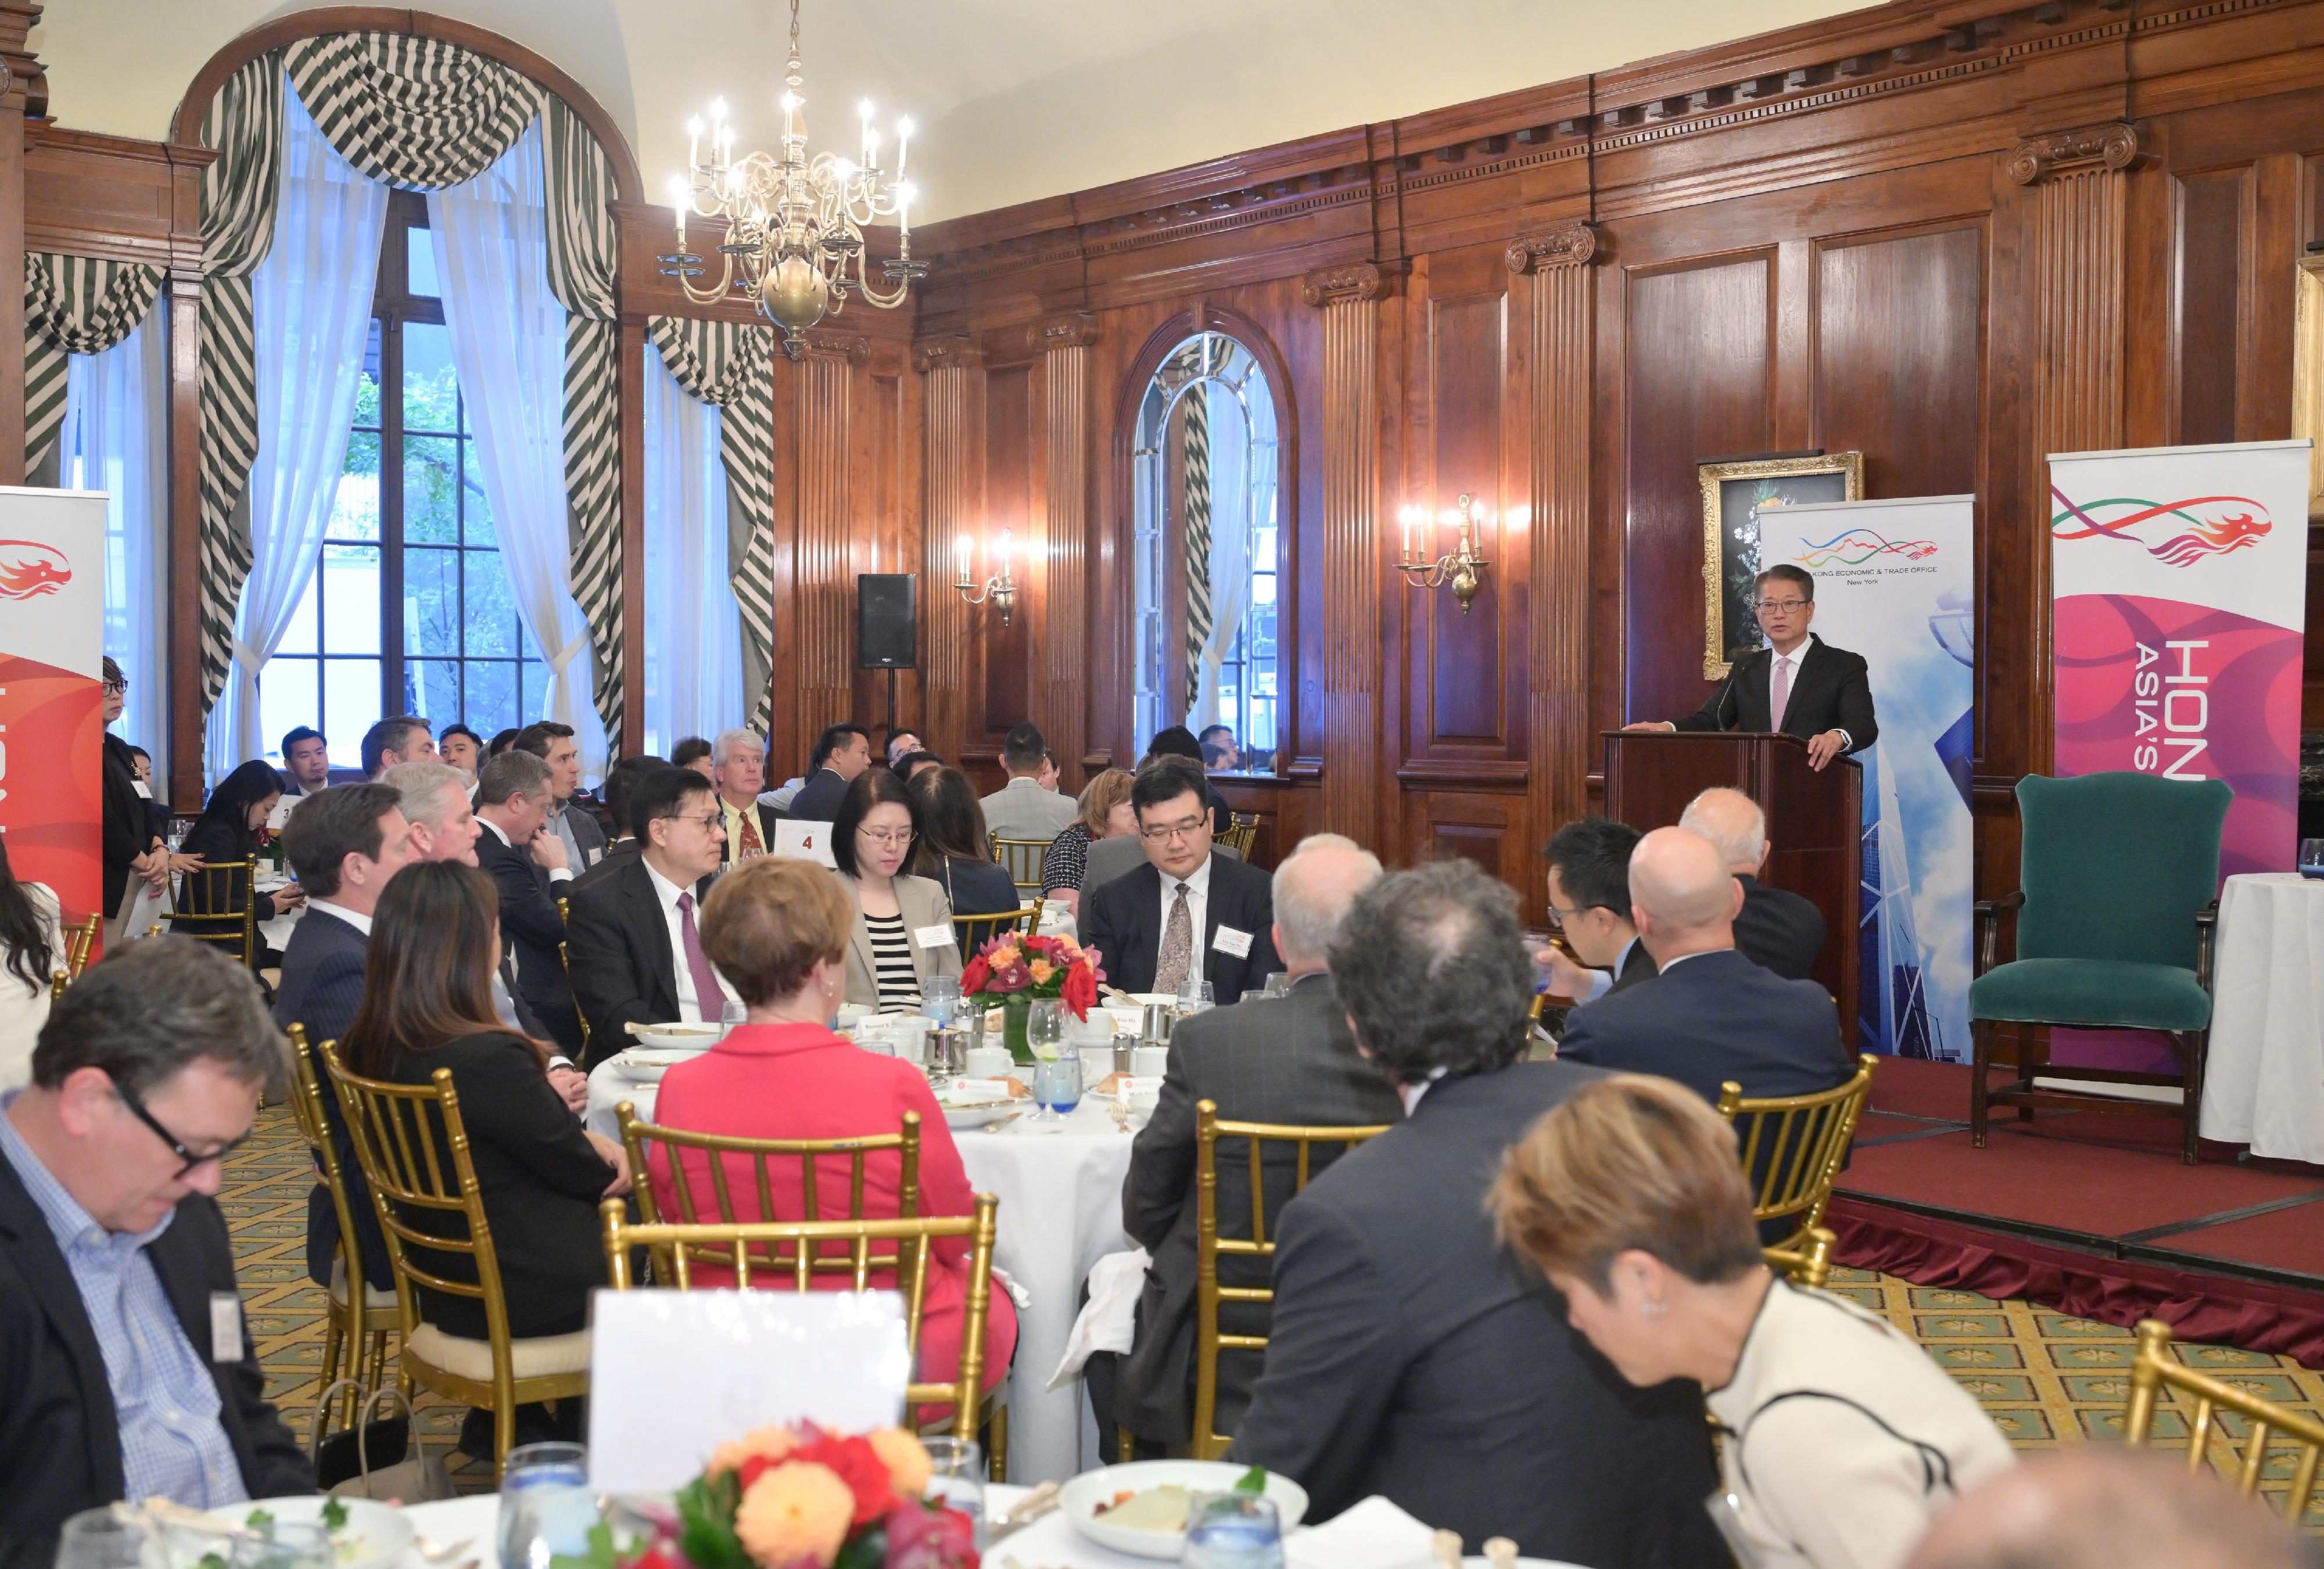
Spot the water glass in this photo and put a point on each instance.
(99, 1538)
(956, 1479)
(1278, 984)
(733, 1017)
(1256, 995)
(1197, 997)
(1057, 1085)
(1045, 1027)
(940, 1000)
(546, 1509)
(2311, 858)
(1233, 1530)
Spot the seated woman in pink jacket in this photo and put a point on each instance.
(777, 929)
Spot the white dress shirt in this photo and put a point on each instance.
(1198, 904)
(555, 874)
(689, 1005)
(353, 918)
(1793, 659)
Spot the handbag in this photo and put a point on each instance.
(343, 1467)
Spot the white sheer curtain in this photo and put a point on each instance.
(312, 299)
(508, 349)
(115, 441)
(1231, 525)
(694, 631)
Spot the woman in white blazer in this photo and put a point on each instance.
(903, 934)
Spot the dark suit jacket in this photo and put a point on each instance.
(587, 833)
(1413, 1357)
(321, 988)
(1778, 930)
(1637, 965)
(128, 822)
(1711, 1018)
(60, 1442)
(1275, 1059)
(542, 1180)
(618, 854)
(624, 970)
(1831, 691)
(1123, 921)
(818, 799)
(767, 817)
(531, 924)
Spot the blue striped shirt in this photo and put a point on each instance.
(164, 1400)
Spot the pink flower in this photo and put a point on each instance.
(930, 1537)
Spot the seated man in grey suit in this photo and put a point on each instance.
(1287, 1060)
(1025, 809)
(1590, 904)
(1775, 927)
(1410, 1355)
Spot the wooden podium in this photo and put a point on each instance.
(1815, 821)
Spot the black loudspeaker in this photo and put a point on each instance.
(886, 620)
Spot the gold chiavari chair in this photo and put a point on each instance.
(1806, 1261)
(564, 958)
(80, 941)
(1792, 1146)
(911, 1238)
(1242, 832)
(2153, 1369)
(1022, 858)
(358, 1315)
(395, 1129)
(57, 984)
(976, 930)
(1211, 1247)
(225, 911)
(722, 1156)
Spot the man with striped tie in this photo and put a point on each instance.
(738, 766)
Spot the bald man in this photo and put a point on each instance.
(1776, 927)
(1710, 1015)
(2099, 1506)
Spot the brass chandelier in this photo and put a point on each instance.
(794, 225)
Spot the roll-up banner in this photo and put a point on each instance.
(51, 691)
(2179, 579)
(1896, 581)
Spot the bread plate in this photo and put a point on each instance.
(374, 1536)
(1080, 1500)
(677, 1037)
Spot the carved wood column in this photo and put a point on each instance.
(182, 292)
(1347, 296)
(824, 579)
(1558, 702)
(2076, 257)
(25, 90)
(948, 420)
(1060, 541)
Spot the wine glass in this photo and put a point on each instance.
(1196, 996)
(106, 1538)
(546, 1507)
(1045, 1027)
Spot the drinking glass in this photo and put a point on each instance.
(1197, 997)
(289, 1544)
(956, 1479)
(1256, 995)
(1057, 1086)
(546, 1509)
(733, 1017)
(1278, 984)
(99, 1538)
(1045, 1027)
(940, 1000)
(2311, 858)
(1233, 1530)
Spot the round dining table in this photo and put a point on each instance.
(1059, 1185)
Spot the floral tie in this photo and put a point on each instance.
(1178, 951)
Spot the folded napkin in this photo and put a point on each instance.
(1372, 1535)
(1109, 1319)
(1018, 1294)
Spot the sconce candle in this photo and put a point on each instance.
(1464, 567)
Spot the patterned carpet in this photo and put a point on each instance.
(2046, 1378)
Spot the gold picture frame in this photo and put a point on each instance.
(2308, 375)
(1732, 494)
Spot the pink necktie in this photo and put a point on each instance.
(709, 1001)
(1782, 695)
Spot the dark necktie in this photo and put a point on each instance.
(710, 1000)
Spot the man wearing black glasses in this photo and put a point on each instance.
(125, 1369)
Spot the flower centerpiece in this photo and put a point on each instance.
(800, 1498)
(1019, 968)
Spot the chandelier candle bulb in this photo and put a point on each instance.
(960, 550)
(903, 146)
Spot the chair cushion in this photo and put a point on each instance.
(374, 1299)
(2108, 992)
(472, 1359)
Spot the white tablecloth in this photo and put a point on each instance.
(2265, 1083)
(1060, 1193)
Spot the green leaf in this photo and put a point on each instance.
(868, 1551)
(706, 1514)
(210, 1561)
(259, 1520)
(335, 1514)
(600, 1554)
(1252, 1480)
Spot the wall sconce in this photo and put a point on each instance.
(999, 588)
(1463, 568)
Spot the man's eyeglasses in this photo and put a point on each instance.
(193, 1162)
(1780, 606)
(1163, 833)
(888, 837)
(708, 825)
(1557, 918)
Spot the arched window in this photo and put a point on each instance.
(1207, 548)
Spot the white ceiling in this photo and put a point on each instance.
(1015, 100)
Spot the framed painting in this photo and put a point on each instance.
(1734, 495)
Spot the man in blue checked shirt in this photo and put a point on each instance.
(124, 1368)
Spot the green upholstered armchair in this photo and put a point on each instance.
(2119, 878)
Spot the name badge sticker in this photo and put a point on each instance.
(225, 1327)
(931, 936)
(1230, 941)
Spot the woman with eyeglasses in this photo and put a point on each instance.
(903, 935)
(228, 832)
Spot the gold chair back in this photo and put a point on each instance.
(1211, 1247)
(394, 1127)
(1792, 1146)
(725, 1154)
(217, 904)
(1022, 858)
(366, 1342)
(57, 984)
(976, 930)
(1807, 1263)
(2154, 1370)
(1242, 832)
(80, 941)
(804, 1242)
(564, 958)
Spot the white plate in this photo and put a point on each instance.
(978, 1113)
(1081, 1497)
(680, 1037)
(374, 1537)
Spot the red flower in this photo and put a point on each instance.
(973, 977)
(653, 1558)
(930, 1537)
(1080, 990)
(856, 1463)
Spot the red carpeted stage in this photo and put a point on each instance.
(2093, 1214)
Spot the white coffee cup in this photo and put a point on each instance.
(1150, 1061)
(988, 1062)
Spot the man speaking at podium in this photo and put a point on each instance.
(1798, 685)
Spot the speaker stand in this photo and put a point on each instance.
(892, 706)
